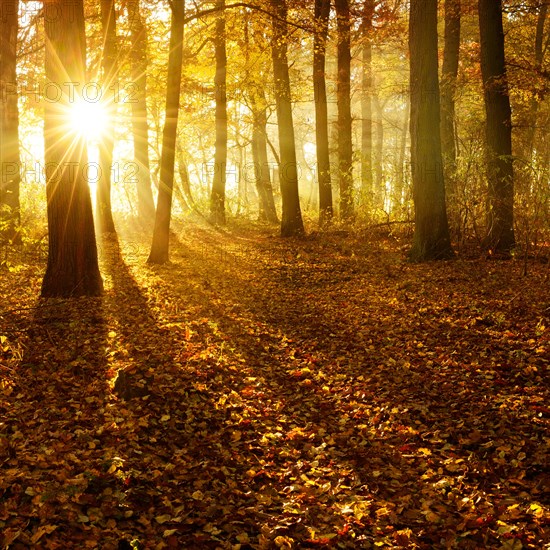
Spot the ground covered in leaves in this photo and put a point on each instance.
(260, 393)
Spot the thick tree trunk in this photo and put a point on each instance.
(431, 233)
(10, 166)
(345, 149)
(366, 100)
(322, 13)
(500, 173)
(138, 67)
(217, 197)
(110, 81)
(291, 222)
(161, 232)
(72, 268)
(449, 73)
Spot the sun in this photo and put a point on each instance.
(88, 119)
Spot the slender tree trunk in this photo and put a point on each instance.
(10, 165)
(379, 187)
(500, 230)
(110, 81)
(261, 168)
(322, 13)
(217, 197)
(397, 200)
(366, 99)
(449, 75)
(431, 232)
(140, 131)
(72, 268)
(161, 232)
(345, 149)
(291, 222)
(534, 108)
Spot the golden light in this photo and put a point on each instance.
(88, 119)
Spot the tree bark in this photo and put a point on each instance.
(345, 148)
(72, 268)
(160, 247)
(110, 81)
(449, 75)
(140, 131)
(322, 13)
(291, 222)
(366, 100)
(500, 172)
(431, 233)
(10, 164)
(217, 197)
(268, 212)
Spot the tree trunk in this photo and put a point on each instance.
(72, 268)
(291, 222)
(110, 81)
(500, 173)
(138, 67)
(268, 212)
(345, 149)
(217, 197)
(161, 232)
(449, 75)
(431, 233)
(322, 13)
(379, 187)
(10, 164)
(366, 100)
(535, 101)
(397, 198)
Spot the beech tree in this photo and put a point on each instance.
(10, 169)
(322, 14)
(367, 28)
(431, 239)
(161, 232)
(500, 172)
(449, 73)
(140, 131)
(109, 64)
(217, 197)
(72, 268)
(345, 148)
(291, 222)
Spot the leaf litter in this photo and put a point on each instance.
(260, 393)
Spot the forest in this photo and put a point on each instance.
(274, 274)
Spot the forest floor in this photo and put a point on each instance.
(260, 393)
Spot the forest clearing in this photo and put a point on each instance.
(260, 392)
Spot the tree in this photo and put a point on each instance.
(449, 73)
(140, 131)
(345, 149)
(161, 232)
(322, 13)
(10, 169)
(291, 222)
(431, 232)
(217, 197)
(110, 78)
(72, 268)
(366, 97)
(500, 173)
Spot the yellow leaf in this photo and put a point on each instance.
(162, 519)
